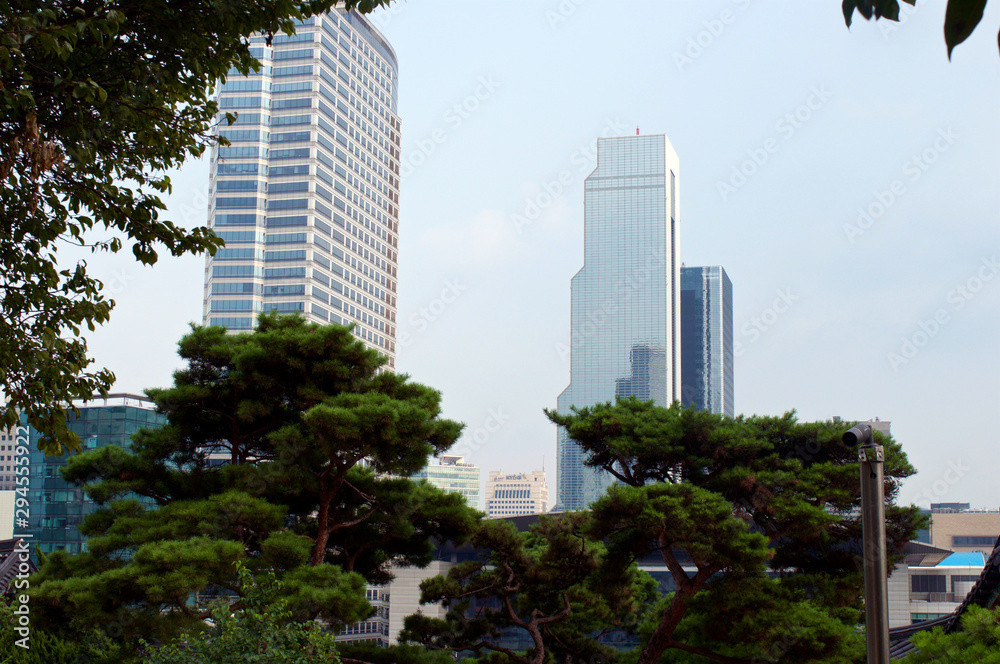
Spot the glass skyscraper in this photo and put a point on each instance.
(57, 506)
(625, 307)
(707, 339)
(306, 195)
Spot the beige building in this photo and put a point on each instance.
(960, 529)
(516, 494)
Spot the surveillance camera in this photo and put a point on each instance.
(859, 434)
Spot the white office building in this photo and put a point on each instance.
(306, 195)
(516, 494)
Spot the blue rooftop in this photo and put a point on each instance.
(970, 559)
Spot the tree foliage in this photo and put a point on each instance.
(751, 516)
(978, 640)
(960, 19)
(261, 631)
(279, 452)
(98, 101)
(551, 582)
(43, 647)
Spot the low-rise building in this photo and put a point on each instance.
(957, 527)
(931, 583)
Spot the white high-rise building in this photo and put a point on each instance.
(515, 494)
(306, 195)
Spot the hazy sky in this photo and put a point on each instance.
(847, 180)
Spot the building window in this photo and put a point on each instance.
(963, 540)
(963, 578)
(928, 584)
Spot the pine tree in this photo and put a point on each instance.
(285, 449)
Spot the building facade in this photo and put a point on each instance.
(707, 339)
(516, 494)
(401, 597)
(957, 527)
(8, 459)
(306, 195)
(57, 506)
(931, 583)
(453, 474)
(374, 630)
(625, 301)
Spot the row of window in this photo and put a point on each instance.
(512, 493)
(974, 540)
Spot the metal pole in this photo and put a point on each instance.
(871, 458)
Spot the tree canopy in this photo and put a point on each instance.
(756, 520)
(98, 101)
(552, 582)
(261, 631)
(285, 449)
(960, 19)
(977, 641)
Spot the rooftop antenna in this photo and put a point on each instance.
(637, 130)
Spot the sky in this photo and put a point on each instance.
(847, 180)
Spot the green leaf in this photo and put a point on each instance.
(848, 8)
(960, 19)
(888, 9)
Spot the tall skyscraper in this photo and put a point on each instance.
(625, 311)
(306, 195)
(707, 339)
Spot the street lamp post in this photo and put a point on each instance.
(870, 460)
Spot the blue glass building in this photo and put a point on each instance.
(58, 507)
(707, 339)
(306, 195)
(625, 336)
